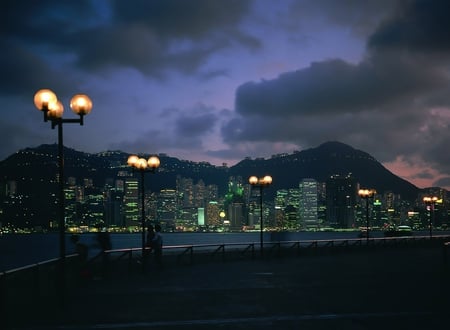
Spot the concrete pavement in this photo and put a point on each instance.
(401, 288)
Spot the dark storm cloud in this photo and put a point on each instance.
(352, 14)
(422, 26)
(382, 104)
(180, 18)
(188, 126)
(24, 71)
(31, 31)
(45, 20)
(335, 86)
(183, 128)
(150, 36)
(153, 36)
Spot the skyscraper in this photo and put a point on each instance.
(308, 204)
(167, 207)
(341, 192)
(131, 202)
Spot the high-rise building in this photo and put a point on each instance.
(341, 192)
(199, 194)
(167, 208)
(236, 215)
(131, 202)
(114, 208)
(201, 216)
(185, 189)
(212, 214)
(308, 204)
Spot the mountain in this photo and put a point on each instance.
(331, 158)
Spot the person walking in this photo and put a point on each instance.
(157, 244)
(149, 242)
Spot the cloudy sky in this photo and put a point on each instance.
(213, 80)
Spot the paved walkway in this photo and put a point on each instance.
(368, 289)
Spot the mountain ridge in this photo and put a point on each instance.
(329, 158)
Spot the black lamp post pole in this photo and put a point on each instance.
(367, 220)
(143, 216)
(62, 208)
(46, 101)
(260, 183)
(431, 220)
(430, 201)
(261, 224)
(142, 165)
(62, 240)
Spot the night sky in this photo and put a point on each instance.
(217, 81)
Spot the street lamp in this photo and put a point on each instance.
(47, 102)
(366, 194)
(430, 201)
(143, 166)
(260, 183)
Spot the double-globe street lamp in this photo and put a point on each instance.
(260, 183)
(143, 166)
(47, 102)
(366, 194)
(430, 201)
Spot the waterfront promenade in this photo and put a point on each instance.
(368, 288)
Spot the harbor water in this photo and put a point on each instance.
(18, 250)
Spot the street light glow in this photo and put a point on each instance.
(143, 165)
(46, 101)
(260, 183)
(81, 104)
(43, 98)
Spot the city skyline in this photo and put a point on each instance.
(218, 81)
(101, 189)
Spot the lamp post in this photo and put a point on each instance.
(143, 166)
(47, 102)
(430, 201)
(260, 183)
(366, 194)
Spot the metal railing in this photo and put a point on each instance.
(28, 286)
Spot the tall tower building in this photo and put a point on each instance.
(131, 202)
(308, 204)
(185, 188)
(167, 207)
(114, 208)
(212, 214)
(341, 192)
(236, 215)
(199, 194)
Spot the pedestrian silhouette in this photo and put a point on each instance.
(157, 245)
(149, 242)
(82, 250)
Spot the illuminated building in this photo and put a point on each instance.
(131, 202)
(167, 208)
(341, 192)
(212, 214)
(236, 216)
(308, 204)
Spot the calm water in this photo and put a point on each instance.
(21, 250)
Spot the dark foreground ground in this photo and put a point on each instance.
(390, 288)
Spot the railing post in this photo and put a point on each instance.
(446, 247)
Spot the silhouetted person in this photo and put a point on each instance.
(149, 243)
(104, 240)
(157, 244)
(82, 251)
